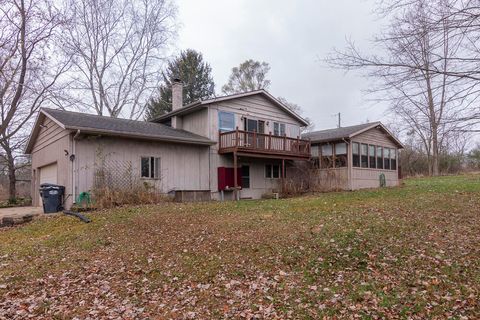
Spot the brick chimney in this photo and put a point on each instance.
(177, 102)
(177, 94)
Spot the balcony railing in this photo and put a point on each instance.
(245, 141)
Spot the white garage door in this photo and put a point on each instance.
(48, 174)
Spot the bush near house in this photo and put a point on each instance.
(409, 252)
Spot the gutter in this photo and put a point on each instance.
(205, 142)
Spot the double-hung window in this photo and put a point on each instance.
(226, 121)
(393, 159)
(371, 155)
(356, 154)
(340, 154)
(278, 129)
(327, 156)
(386, 158)
(150, 167)
(379, 157)
(272, 171)
(364, 155)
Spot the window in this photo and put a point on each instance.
(245, 177)
(314, 150)
(356, 154)
(272, 171)
(278, 129)
(379, 157)
(268, 171)
(150, 167)
(371, 155)
(386, 158)
(275, 171)
(340, 154)
(393, 158)
(327, 156)
(250, 125)
(364, 155)
(226, 121)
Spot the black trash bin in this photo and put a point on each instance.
(52, 197)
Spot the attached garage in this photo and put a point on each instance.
(48, 174)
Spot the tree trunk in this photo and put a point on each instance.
(435, 162)
(12, 179)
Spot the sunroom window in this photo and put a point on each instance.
(364, 155)
(327, 156)
(371, 155)
(356, 154)
(340, 154)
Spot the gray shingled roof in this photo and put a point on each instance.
(116, 126)
(337, 133)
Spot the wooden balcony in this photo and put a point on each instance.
(263, 145)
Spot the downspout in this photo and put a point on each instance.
(72, 158)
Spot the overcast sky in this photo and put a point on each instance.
(293, 37)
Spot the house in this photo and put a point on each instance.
(355, 157)
(191, 150)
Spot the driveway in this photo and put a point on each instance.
(15, 212)
(17, 215)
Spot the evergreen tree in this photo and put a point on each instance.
(196, 75)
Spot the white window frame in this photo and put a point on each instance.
(224, 129)
(156, 167)
(277, 129)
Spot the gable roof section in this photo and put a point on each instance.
(348, 132)
(194, 106)
(89, 123)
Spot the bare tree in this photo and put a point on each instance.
(414, 73)
(118, 47)
(12, 148)
(28, 73)
(298, 110)
(249, 76)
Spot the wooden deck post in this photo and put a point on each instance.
(270, 140)
(254, 139)
(235, 178)
(284, 142)
(283, 175)
(220, 139)
(236, 138)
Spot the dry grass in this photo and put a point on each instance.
(404, 253)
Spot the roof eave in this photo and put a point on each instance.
(379, 124)
(205, 142)
(191, 107)
(41, 113)
(182, 110)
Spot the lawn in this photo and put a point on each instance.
(411, 252)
